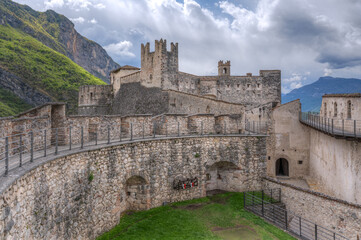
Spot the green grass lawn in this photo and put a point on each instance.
(218, 217)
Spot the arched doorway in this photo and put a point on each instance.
(282, 168)
(137, 193)
(219, 176)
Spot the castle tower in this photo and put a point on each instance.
(159, 68)
(224, 68)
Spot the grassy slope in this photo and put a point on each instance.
(10, 104)
(177, 222)
(49, 71)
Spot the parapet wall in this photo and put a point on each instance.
(336, 165)
(338, 215)
(82, 195)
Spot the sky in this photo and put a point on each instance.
(305, 39)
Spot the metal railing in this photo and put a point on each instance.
(256, 127)
(18, 149)
(349, 128)
(266, 206)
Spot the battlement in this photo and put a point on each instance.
(158, 67)
(159, 47)
(224, 68)
(225, 63)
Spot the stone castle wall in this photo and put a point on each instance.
(180, 102)
(336, 165)
(133, 98)
(289, 139)
(82, 195)
(334, 214)
(341, 100)
(95, 99)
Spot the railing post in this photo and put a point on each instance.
(328, 125)
(343, 127)
(31, 146)
(262, 203)
(253, 127)
(120, 132)
(201, 128)
(143, 130)
(21, 151)
(56, 141)
(131, 131)
(82, 137)
(108, 134)
(96, 137)
(354, 127)
(300, 226)
(45, 143)
(225, 128)
(178, 130)
(286, 220)
(70, 138)
(154, 130)
(271, 196)
(315, 231)
(166, 129)
(279, 195)
(252, 198)
(332, 124)
(6, 155)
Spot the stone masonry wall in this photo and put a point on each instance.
(334, 214)
(82, 195)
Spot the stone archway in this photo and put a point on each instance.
(137, 193)
(282, 167)
(220, 176)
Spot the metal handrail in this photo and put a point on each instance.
(286, 219)
(29, 145)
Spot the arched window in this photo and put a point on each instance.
(282, 167)
(335, 109)
(224, 70)
(349, 109)
(325, 109)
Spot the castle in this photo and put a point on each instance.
(155, 127)
(159, 87)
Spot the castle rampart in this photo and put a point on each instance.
(83, 194)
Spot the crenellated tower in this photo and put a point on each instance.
(224, 68)
(159, 68)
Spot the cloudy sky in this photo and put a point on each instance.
(306, 39)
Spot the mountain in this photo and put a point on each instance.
(43, 58)
(58, 33)
(311, 95)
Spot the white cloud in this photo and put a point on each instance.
(121, 49)
(77, 20)
(295, 85)
(99, 6)
(327, 72)
(79, 4)
(53, 4)
(93, 21)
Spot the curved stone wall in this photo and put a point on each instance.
(82, 195)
